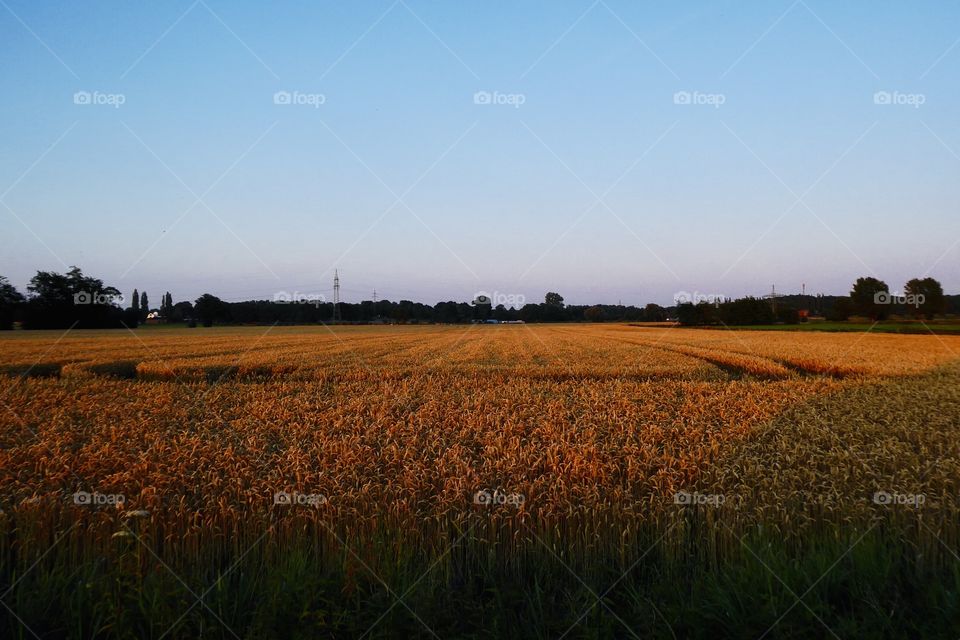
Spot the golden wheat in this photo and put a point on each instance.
(403, 426)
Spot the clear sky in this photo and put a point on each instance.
(429, 150)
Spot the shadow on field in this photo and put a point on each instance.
(826, 458)
(33, 370)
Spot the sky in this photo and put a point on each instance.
(609, 151)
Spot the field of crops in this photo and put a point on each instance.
(462, 481)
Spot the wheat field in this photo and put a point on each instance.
(374, 456)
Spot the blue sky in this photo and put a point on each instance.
(628, 151)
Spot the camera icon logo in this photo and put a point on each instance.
(482, 97)
(81, 97)
(882, 97)
(482, 497)
(881, 297)
(882, 497)
(681, 97)
(282, 497)
(282, 97)
(82, 498)
(82, 297)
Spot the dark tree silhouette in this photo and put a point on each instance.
(181, 312)
(59, 301)
(930, 292)
(593, 314)
(553, 299)
(10, 301)
(871, 297)
(210, 309)
(654, 313)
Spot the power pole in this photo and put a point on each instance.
(336, 296)
(374, 296)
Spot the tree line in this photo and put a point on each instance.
(60, 301)
(869, 298)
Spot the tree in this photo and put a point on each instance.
(181, 312)
(10, 300)
(532, 312)
(210, 309)
(746, 311)
(593, 314)
(144, 306)
(58, 301)
(654, 313)
(839, 311)
(51, 289)
(788, 315)
(166, 307)
(870, 297)
(553, 299)
(135, 302)
(131, 318)
(925, 296)
(687, 314)
(446, 312)
(401, 312)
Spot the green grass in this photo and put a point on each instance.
(874, 587)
